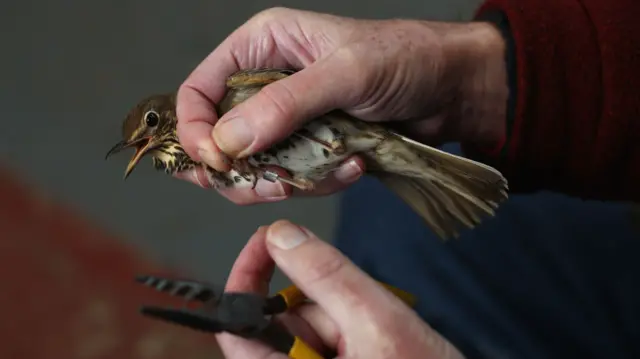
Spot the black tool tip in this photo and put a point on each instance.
(181, 317)
(151, 311)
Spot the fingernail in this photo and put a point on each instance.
(268, 189)
(196, 178)
(286, 235)
(233, 136)
(348, 172)
(206, 154)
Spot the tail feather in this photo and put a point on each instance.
(478, 172)
(449, 191)
(444, 208)
(455, 208)
(422, 201)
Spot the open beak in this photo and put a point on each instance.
(142, 146)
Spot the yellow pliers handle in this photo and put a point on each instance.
(292, 297)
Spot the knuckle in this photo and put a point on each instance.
(388, 346)
(357, 72)
(347, 55)
(390, 343)
(269, 15)
(278, 106)
(325, 269)
(398, 334)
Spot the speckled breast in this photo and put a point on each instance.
(299, 155)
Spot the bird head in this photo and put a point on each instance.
(150, 128)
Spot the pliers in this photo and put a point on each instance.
(247, 315)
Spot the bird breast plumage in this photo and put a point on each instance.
(308, 158)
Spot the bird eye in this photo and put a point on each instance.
(151, 118)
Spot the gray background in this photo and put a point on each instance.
(70, 70)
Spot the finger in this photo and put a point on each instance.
(342, 177)
(251, 272)
(283, 106)
(321, 323)
(206, 85)
(363, 311)
(299, 327)
(196, 117)
(347, 294)
(266, 191)
(247, 196)
(253, 269)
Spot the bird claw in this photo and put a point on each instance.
(336, 146)
(304, 184)
(300, 183)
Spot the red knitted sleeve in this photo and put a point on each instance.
(575, 127)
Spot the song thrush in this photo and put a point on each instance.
(446, 190)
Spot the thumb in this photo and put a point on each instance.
(371, 320)
(346, 293)
(283, 106)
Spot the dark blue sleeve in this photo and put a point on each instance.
(549, 277)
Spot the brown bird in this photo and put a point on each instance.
(446, 190)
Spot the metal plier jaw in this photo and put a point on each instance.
(244, 314)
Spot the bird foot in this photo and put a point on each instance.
(338, 145)
(303, 184)
(300, 183)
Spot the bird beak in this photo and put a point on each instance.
(142, 146)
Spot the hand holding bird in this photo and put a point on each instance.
(282, 127)
(433, 82)
(446, 190)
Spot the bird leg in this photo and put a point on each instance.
(250, 173)
(300, 183)
(304, 184)
(335, 146)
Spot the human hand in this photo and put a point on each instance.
(352, 314)
(437, 82)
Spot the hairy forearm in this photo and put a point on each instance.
(483, 91)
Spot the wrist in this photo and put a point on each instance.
(476, 53)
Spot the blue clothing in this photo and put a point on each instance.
(548, 277)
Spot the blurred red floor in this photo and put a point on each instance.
(68, 291)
